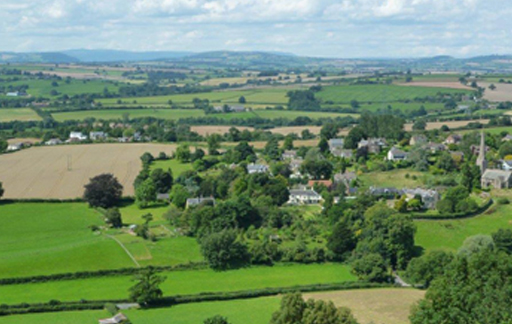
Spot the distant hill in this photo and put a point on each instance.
(91, 56)
(48, 57)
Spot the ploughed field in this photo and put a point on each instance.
(42, 172)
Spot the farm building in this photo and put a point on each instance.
(373, 145)
(192, 202)
(453, 139)
(289, 155)
(435, 147)
(257, 168)
(53, 141)
(345, 178)
(428, 197)
(14, 147)
(335, 143)
(97, 136)
(304, 197)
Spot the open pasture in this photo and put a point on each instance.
(117, 114)
(450, 234)
(180, 283)
(45, 238)
(19, 114)
(437, 84)
(74, 87)
(379, 93)
(42, 172)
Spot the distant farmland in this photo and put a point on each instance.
(379, 93)
(20, 114)
(41, 172)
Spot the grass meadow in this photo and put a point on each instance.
(19, 114)
(38, 88)
(180, 283)
(46, 238)
(450, 234)
(378, 93)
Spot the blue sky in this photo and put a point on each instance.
(323, 28)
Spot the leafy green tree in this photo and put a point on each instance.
(401, 205)
(291, 310)
(288, 143)
(223, 251)
(302, 100)
(471, 290)
(475, 244)
(322, 312)
(103, 191)
(419, 125)
(423, 270)
(213, 142)
(3, 145)
(242, 100)
(162, 180)
(505, 149)
(317, 169)
(145, 193)
(503, 240)
(272, 149)
(245, 152)
(418, 157)
(471, 175)
(113, 217)
(147, 158)
(179, 195)
(147, 290)
(445, 162)
(329, 130)
(371, 267)
(342, 240)
(183, 153)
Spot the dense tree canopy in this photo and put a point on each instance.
(103, 191)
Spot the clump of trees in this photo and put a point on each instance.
(294, 309)
(146, 290)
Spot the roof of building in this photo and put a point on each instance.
(199, 200)
(114, 320)
(421, 192)
(336, 142)
(327, 183)
(304, 192)
(347, 176)
(397, 152)
(385, 191)
(257, 167)
(494, 174)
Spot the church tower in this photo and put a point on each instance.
(481, 161)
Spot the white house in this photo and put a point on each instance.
(304, 197)
(14, 147)
(396, 154)
(97, 136)
(506, 165)
(77, 136)
(53, 141)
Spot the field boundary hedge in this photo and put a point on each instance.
(99, 273)
(55, 200)
(57, 306)
(477, 212)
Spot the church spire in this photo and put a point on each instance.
(481, 161)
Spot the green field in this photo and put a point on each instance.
(450, 234)
(117, 114)
(176, 166)
(20, 114)
(180, 283)
(45, 238)
(246, 311)
(402, 106)
(175, 114)
(43, 88)
(272, 96)
(379, 93)
(393, 178)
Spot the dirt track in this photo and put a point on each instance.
(41, 172)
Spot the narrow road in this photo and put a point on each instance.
(400, 281)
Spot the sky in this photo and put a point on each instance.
(319, 28)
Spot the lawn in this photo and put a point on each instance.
(108, 114)
(46, 238)
(176, 166)
(394, 178)
(20, 114)
(379, 93)
(180, 282)
(76, 317)
(450, 234)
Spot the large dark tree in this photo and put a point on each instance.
(342, 240)
(223, 251)
(103, 191)
(162, 180)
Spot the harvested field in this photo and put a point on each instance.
(379, 306)
(436, 84)
(503, 92)
(261, 144)
(450, 124)
(296, 129)
(23, 140)
(206, 130)
(41, 172)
